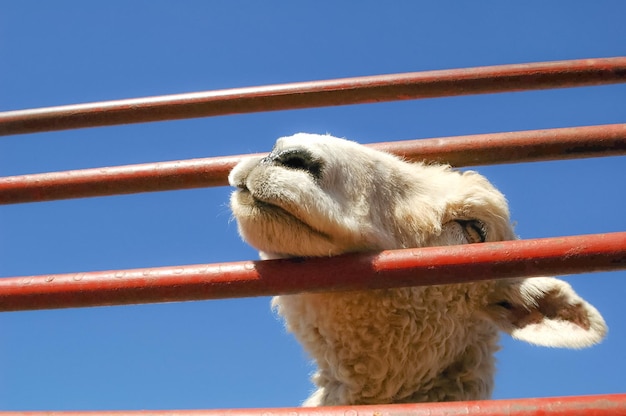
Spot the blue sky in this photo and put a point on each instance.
(235, 353)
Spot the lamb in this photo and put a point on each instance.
(316, 195)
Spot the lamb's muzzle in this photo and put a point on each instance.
(319, 196)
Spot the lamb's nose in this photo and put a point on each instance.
(299, 159)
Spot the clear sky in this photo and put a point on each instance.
(235, 353)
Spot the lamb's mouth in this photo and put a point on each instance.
(272, 209)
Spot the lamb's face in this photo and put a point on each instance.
(311, 196)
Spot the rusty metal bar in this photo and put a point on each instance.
(360, 90)
(480, 149)
(515, 147)
(598, 405)
(146, 177)
(362, 271)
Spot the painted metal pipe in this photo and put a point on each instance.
(598, 405)
(515, 147)
(359, 90)
(480, 149)
(360, 271)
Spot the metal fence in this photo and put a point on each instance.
(436, 265)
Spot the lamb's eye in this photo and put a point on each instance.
(474, 230)
(300, 159)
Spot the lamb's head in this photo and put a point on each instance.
(319, 195)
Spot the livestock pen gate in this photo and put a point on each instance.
(589, 253)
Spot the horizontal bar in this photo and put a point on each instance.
(514, 147)
(361, 271)
(359, 90)
(480, 149)
(117, 180)
(598, 405)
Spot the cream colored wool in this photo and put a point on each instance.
(321, 196)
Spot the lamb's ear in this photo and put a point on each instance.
(545, 311)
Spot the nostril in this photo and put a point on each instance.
(295, 159)
(299, 159)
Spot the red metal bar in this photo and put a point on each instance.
(515, 147)
(524, 146)
(362, 271)
(360, 90)
(600, 405)
(146, 177)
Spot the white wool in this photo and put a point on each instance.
(320, 196)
